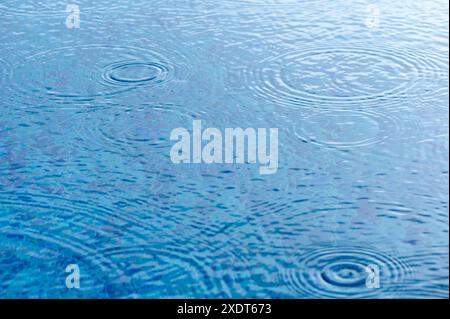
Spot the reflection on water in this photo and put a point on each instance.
(358, 90)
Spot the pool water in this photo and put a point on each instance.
(357, 89)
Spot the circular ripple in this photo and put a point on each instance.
(129, 73)
(343, 77)
(344, 274)
(341, 273)
(85, 73)
(346, 129)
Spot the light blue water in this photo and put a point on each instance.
(361, 103)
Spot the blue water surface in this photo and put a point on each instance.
(358, 90)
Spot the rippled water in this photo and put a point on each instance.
(360, 98)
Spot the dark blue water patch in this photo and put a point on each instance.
(39, 263)
(176, 269)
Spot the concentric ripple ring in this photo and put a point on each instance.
(140, 73)
(53, 76)
(342, 272)
(345, 78)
